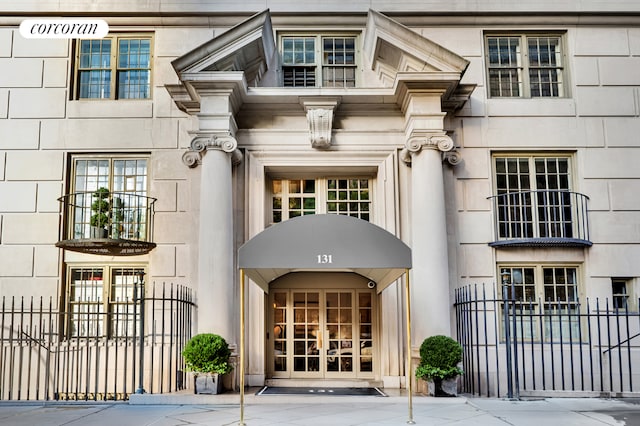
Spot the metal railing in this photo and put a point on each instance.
(40, 359)
(108, 214)
(544, 217)
(513, 348)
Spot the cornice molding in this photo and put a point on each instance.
(202, 143)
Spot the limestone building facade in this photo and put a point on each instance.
(498, 142)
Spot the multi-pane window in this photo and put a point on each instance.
(305, 58)
(115, 67)
(533, 198)
(349, 197)
(620, 289)
(109, 197)
(297, 197)
(293, 198)
(526, 66)
(101, 301)
(543, 300)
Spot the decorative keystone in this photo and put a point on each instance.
(320, 117)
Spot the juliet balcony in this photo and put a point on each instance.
(107, 223)
(547, 218)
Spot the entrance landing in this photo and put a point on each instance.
(323, 391)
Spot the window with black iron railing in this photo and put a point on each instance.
(108, 203)
(535, 205)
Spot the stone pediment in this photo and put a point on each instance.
(248, 47)
(392, 48)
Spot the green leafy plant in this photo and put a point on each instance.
(207, 353)
(439, 358)
(100, 208)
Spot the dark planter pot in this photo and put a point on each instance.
(97, 232)
(207, 383)
(443, 388)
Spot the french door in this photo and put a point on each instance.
(322, 333)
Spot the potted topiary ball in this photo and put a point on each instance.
(439, 359)
(207, 355)
(100, 207)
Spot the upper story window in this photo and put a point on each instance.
(534, 204)
(318, 61)
(114, 67)
(533, 198)
(525, 66)
(110, 197)
(297, 197)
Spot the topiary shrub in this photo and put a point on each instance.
(439, 358)
(100, 208)
(207, 353)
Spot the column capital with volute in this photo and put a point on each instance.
(435, 141)
(201, 143)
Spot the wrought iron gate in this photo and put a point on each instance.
(514, 348)
(42, 359)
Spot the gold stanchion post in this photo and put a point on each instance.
(241, 361)
(409, 372)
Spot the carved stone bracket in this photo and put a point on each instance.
(200, 144)
(442, 143)
(320, 117)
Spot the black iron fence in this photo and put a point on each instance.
(41, 359)
(536, 348)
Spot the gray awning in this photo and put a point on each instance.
(324, 243)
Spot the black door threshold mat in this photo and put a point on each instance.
(270, 390)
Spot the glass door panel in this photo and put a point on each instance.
(280, 331)
(339, 309)
(307, 341)
(366, 340)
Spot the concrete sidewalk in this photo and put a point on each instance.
(324, 410)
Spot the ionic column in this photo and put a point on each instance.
(431, 307)
(216, 302)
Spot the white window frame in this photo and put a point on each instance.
(321, 195)
(318, 64)
(528, 210)
(523, 66)
(624, 300)
(114, 66)
(530, 303)
(135, 184)
(111, 311)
